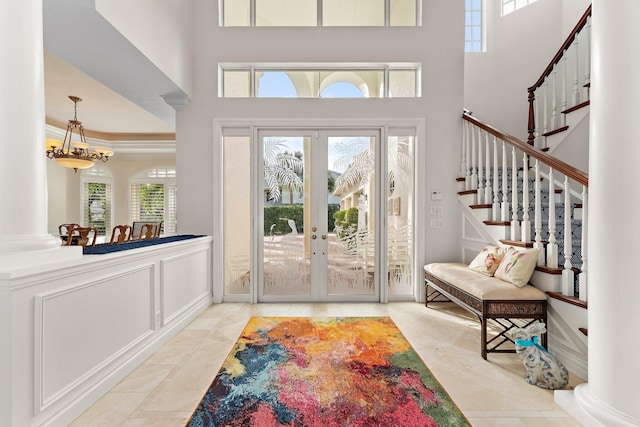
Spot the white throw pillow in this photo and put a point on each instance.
(487, 261)
(517, 266)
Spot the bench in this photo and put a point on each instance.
(488, 298)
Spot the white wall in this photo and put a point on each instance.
(160, 30)
(438, 45)
(519, 47)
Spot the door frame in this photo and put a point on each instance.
(250, 126)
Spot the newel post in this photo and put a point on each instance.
(532, 119)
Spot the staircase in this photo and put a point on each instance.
(518, 193)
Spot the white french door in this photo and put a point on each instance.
(317, 214)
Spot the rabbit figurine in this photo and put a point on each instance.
(543, 369)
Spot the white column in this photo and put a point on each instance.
(610, 398)
(23, 191)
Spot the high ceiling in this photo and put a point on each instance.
(101, 109)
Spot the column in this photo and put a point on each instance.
(23, 198)
(610, 398)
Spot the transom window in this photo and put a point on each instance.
(473, 26)
(509, 6)
(301, 81)
(319, 13)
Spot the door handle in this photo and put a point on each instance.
(324, 237)
(314, 229)
(314, 237)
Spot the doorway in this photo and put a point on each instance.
(313, 215)
(318, 235)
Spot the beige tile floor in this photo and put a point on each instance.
(168, 386)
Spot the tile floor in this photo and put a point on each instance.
(168, 386)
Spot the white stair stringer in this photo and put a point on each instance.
(487, 234)
(565, 341)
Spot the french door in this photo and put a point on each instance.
(318, 217)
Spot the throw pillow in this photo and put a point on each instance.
(517, 266)
(487, 261)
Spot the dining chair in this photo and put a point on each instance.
(120, 233)
(82, 236)
(63, 230)
(147, 231)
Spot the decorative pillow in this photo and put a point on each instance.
(487, 261)
(517, 266)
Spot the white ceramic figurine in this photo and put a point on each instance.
(543, 369)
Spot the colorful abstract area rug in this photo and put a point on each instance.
(352, 371)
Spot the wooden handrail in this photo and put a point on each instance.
(565, 45)
(557, 164)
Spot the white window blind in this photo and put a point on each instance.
(153, 198)
(96, 199)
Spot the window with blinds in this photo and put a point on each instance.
(154, 198)
(96, 199)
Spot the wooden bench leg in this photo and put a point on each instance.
(483, 339)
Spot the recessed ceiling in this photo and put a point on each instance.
(101, 109)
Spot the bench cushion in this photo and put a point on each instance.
(481, 286)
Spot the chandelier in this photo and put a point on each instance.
(78, 157)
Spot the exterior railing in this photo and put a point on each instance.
(523, 185)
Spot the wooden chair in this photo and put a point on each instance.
(120, 233)
(148, 231)
(136, 229)
(64, 229)
(82, 236)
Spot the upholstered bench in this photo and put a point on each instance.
(488, 298)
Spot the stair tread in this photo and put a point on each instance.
(576, 107)
(574, 300)
(553, 132)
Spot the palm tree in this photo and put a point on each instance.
(281, 169)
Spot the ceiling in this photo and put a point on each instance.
(101, 110)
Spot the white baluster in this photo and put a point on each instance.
(467, 176)
(463, 150)
(487, 171)
(582, 277)
(515, 225)
(538, 142)
(567, 274)
(545, 110)
(525, 226)
(576, 83)
(564, 88)
(554, 99)
(495, 211)
(480, 187)
(587, 65)
(474, 172)
(537, 218)
(504, 213)
(552, 246)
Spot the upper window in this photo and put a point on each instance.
(509, 6)
(153, 198)
(473, 26)
(308, 81)
(96, 199)
(319, 13)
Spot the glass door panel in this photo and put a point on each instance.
(237, 215)
(286, 209)
(400, 207)
(351, 220)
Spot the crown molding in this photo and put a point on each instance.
(120, 143)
